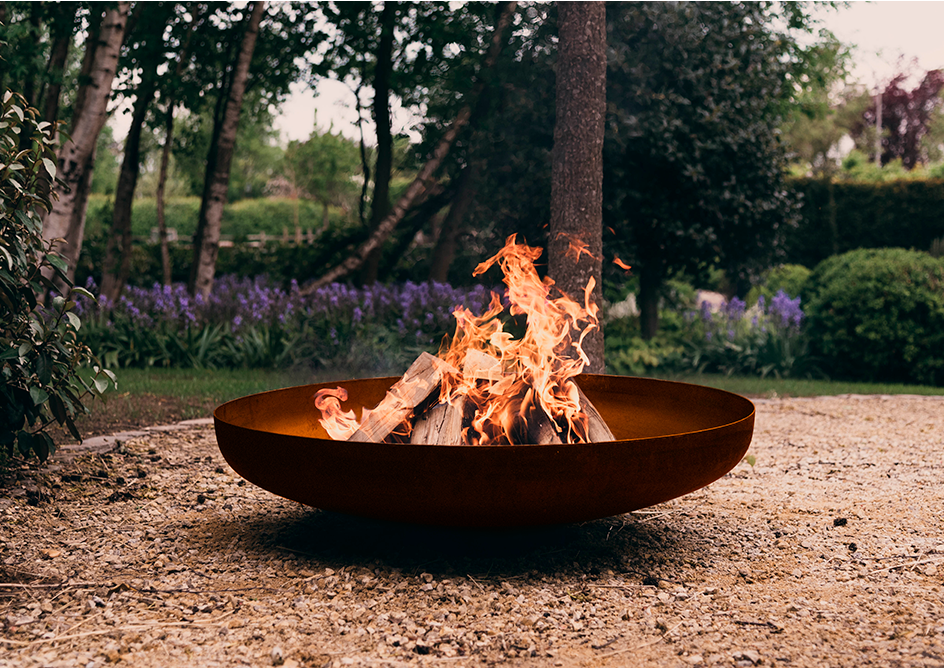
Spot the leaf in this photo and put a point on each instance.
(73, 430)
(74, 320)
(38, 395)
(83, 292)
(750, 459)
(58, 408)
(24, 442)
(50, 167)
(101, 385)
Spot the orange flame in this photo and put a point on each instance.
(508, 389)
(537, 370)
(338, 424)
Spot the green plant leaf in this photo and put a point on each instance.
(38, 395)
(50, 167)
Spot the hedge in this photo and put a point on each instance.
(838, 217)
(272, 216)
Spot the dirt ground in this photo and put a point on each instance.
(828, 551)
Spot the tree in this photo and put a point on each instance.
(76, 156)
(575, 247)
(322, 168)
(207, 239)
(694, 171)
(906, 118)
(146, 53)
(421, 184)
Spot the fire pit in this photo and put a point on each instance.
(670, 439)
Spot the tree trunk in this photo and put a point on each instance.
(383, 168)
(419, 184)
(67, 218)
(445, 250)
(117, 263)
(577, 160)
(204, 262)
(62, 27)
(161, 184)
(650, 278)
(182, 57)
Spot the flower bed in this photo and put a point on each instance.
(256, 323)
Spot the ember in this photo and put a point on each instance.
(486, 387)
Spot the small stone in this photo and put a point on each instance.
(276, 655)
(751, 656)
(694, 660)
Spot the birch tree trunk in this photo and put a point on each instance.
(214, 193)
(577, 159)
(67, 218)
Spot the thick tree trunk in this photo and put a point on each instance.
(577, 159)
(380, 234)
(67, 218)
(204, 262)
(383, 168)
(445, 250)
(117, 262)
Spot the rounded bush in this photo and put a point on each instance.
(878, 314)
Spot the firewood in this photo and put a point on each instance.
(442, 424)
(541, 429)
(597, 429)
(481, 366)
(420, 381)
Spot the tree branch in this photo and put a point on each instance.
(389, 223)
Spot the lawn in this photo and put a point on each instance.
(159, 396)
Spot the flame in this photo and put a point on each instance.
(537, 369)
(509, 390)
(338, 424)
(622, 265)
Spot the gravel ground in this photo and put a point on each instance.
(829, 550)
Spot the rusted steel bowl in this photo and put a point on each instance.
(672, 438)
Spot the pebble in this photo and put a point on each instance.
(756, 558)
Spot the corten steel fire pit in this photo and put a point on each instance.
(671, 438)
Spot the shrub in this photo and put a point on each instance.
(791, 279)
(765, 339)
(256, 323)
(40, 354)
(878, 314)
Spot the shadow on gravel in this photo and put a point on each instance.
(649, 551)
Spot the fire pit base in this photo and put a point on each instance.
(671, 439)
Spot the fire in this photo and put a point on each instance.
(339, 424)
(508, 389)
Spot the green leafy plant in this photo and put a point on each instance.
(878, 315)
(40, 353)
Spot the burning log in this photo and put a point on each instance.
(597, 429)
(510, 390)
(421, 380)
(442, 424)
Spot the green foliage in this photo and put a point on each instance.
(693, 168)
(40, 352)
(791, 279)
(628, 353)
(842, 216)
(322, 168)
(878, 314)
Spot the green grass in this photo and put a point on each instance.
(772, 387)
(218, 386)
(224, 385)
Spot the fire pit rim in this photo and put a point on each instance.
(220, 410)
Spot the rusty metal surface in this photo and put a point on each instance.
(671, 438)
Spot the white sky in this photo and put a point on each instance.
(882, 32)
